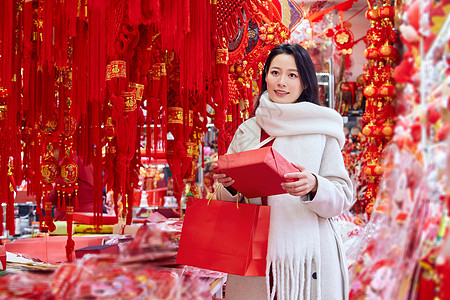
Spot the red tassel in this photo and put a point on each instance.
(70, 245)
(76, 196)
(134, 10)
(48, 219)
(10, 217)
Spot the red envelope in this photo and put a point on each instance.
(220, 236)
(257, 173)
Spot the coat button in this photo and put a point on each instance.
(314, 275)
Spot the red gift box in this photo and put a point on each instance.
(88, 218)
(257, 173)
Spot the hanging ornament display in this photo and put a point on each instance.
(379, 90)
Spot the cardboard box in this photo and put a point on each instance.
(257, 173)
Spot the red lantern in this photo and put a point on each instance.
(371, 53)
(372, 15)
(373, 169)
(387, 12)
(388, 52)
(371, 130)
(387, 130)
(370, 91)
(387, 90)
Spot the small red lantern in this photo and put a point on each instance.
(371, 130)
(388, 52)
(372, 15)
(373, 169)
(371, 52)
(370, 91)
(387, 130)
(387, 12)
(387, 90)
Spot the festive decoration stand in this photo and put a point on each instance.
(119, 84)
(95, 79)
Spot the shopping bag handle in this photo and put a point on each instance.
(262, 143)
(220, 186)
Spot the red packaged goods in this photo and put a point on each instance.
(88, 218)
(257, 173)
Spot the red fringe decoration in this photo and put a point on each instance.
(97, 85)
(70, 244)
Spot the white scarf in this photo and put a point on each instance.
(298, 118)
(294, 239)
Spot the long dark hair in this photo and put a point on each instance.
(305, 69)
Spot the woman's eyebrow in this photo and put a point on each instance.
(278, 68)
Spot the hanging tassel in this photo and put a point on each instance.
(10, 216)
(59, 198)
(70, 245)
(134, 11)
(48, 219)
(77, 206)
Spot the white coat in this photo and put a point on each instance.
(304, 249)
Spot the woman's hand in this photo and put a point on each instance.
(221, 177)
(300, 183)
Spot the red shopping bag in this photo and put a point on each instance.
(225, 237)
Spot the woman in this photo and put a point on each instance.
(305, 258)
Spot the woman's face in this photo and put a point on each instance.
(284, 84)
